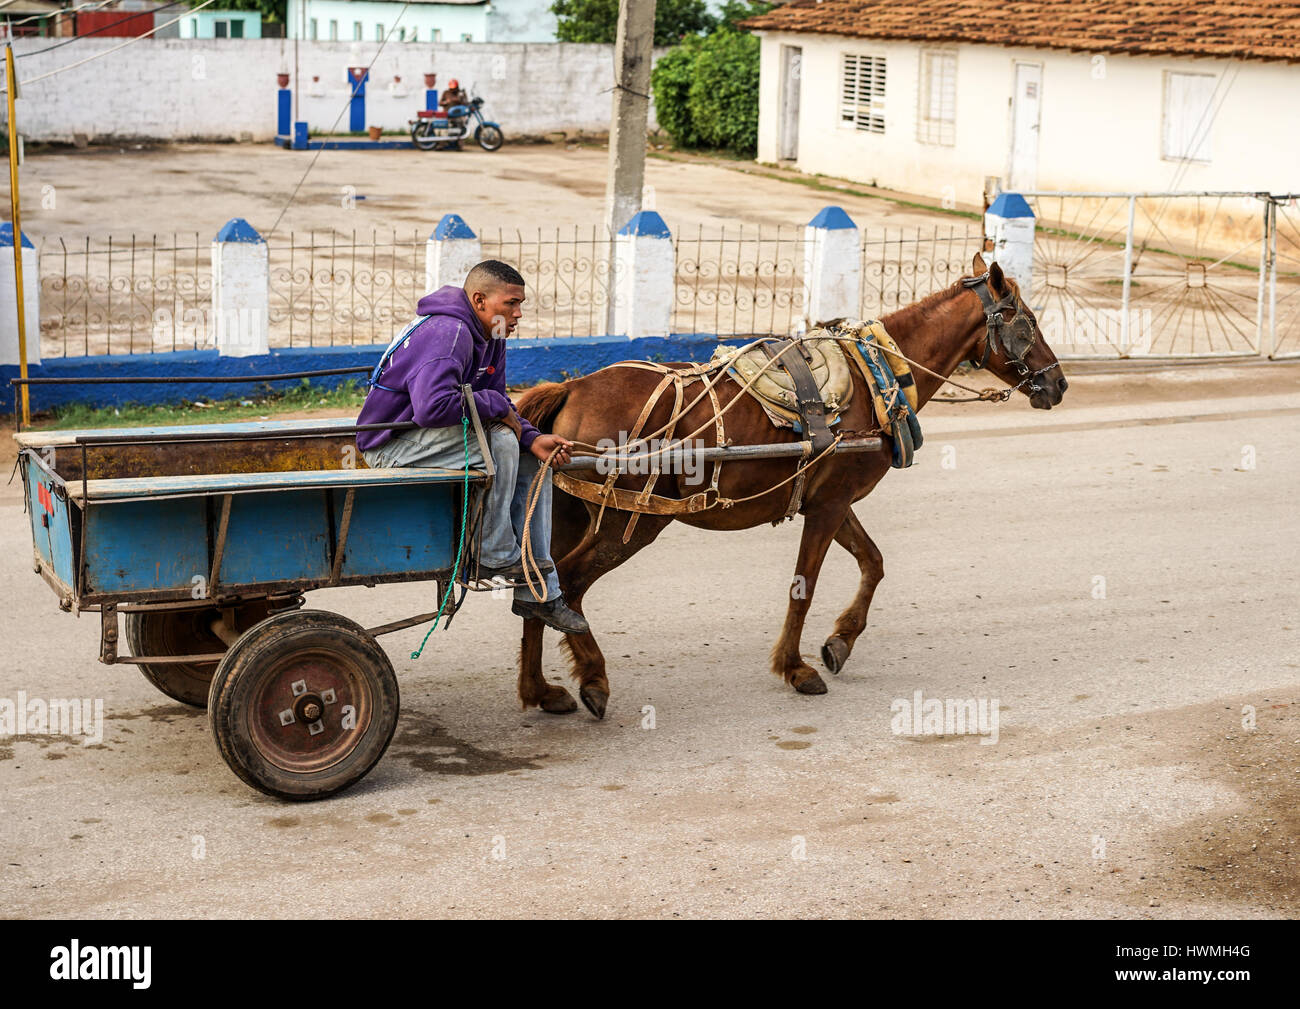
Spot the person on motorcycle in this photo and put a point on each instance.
(450, 98)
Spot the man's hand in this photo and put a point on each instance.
(512, 422)
(544, 444)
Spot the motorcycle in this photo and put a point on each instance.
(434, 129)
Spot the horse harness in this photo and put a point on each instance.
(818, 439)
(1014, 338)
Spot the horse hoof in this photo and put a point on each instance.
(834, 654)
(812, 685)
(595, 699)
(559, 701)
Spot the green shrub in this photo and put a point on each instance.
(723, 96)
(670, 81)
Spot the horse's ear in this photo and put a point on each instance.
(977, 265)
(996, 279)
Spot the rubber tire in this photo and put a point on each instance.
(421, 141)
(235, 683)
(481, 133)
(184, 632)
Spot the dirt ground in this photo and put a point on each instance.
(1147, 763)
(198, 187)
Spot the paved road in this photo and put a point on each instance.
(1122, 782)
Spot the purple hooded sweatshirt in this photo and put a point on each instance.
(427, 369)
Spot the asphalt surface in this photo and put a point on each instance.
(1117, 577)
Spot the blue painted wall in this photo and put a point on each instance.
(530, 362)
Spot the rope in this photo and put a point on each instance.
(460, 546)
(532, 569)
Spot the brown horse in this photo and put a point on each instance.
(981, 319)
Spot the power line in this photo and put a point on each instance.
(86, 35)
(128, 42)
(320, 150)
(61, 10)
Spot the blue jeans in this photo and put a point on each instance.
(507, 501)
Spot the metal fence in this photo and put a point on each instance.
(332, 289)
(903, 265)
(567, 272)
(1115, 274)
(738, 282)
(124, 295)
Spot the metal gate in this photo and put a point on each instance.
(1284, 277)
(1165, 274)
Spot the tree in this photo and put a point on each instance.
(597, 20)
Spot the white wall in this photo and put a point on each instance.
(219, 89)
(1100, 125)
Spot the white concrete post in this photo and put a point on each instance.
(832, 267)
(9, 303)
(241, 290)
(644, 266)
(1009, 225)
(450, 253)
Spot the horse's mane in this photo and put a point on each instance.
(905, 316)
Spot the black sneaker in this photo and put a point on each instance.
(553, 614)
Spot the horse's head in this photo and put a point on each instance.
(1009, 343)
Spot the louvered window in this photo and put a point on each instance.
(936, 115)
(862, 93)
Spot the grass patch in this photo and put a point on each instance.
(304, 396)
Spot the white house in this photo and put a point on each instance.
(931, 97)
(420, 21)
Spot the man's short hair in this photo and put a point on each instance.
(491, 274)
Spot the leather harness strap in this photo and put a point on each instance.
(812, 414)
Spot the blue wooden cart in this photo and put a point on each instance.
(206, 539)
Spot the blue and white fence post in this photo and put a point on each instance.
(9, 302)
(240, 290)
(832, 267)
(644, 268)
(450, 253)
(1009, 224)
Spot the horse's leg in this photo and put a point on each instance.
(596, 556)
(569, 529)
(850, 624)
(819, 529)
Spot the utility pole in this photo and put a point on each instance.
(633, 51)
(20, 294)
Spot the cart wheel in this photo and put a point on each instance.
(303, 705)
(490, 138)
(184, 632)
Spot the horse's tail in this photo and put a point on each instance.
(542, 402)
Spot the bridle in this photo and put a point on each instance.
(1015, 338)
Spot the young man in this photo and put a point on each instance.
(460, 338)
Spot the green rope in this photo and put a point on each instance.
(464, 515)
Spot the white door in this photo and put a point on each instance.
(791, 75)
(1026, 101)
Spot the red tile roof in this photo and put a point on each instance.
(1217, 28)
